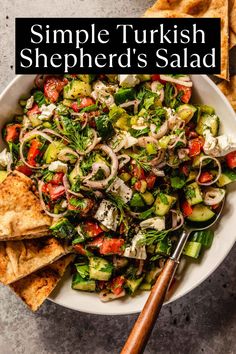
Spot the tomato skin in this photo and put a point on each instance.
(33, 152)
(205, 177)
(53, 191)
(79, 248)
(138, 172)
(12, 132)
(231, 159)
(186, 208)
(195, 146)
(57, 178)
(185, 169)
(92, 229)
(85, 102)
(117, 284)
(156, 77)
(112, 246)
(26, 170)
(187, 92)
(137, 186)
(151, 179)
(52, 87)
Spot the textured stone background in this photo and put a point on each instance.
(204, 321)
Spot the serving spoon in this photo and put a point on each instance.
(143, 326)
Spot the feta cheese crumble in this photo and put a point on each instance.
(58, 166)
(107, 215)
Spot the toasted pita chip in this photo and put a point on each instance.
(229, 90)
(21, 214)
(198, 8)
(36, 287)
(20, 258)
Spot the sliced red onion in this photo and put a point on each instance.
(213, 196)
(121, 144)
(177, 219)
(67, 151)
(175, 122)
(161, 131)
(107, 295)
(133, 214)
(185, 81)
(200, 171)
(158, 159)
(182, 153)
(178, 139)
(114, 167)
(28, 137)
(95, 167)
(50, 131)
(134, 103)
(158, 173)
(143, 141)
(75, 193)
(40, 186)
(39, 80)
(125, 159)
(140, 267)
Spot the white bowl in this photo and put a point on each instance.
(205, 91)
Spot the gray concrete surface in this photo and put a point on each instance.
(204, 321)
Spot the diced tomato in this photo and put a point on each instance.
(57, 178)
(156, 77)
(151, 179)
(92, 229)
(138, 172)
(185, 169)
(26, 170)
(12, 132)
(192, 135)
(195, 146)
(34, 110)
(122, 228)
(33, 152)
(85, 102)
(112, 246)
(81, 249)
(215, 206)
(117, 285)
(97, 242)
(231, 159)
(53, 191)
(186, 208)
(53, 86)
(205, 177)
(187, 92)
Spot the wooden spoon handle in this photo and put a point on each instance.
(142, 329)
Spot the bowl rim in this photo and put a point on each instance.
(200, 280)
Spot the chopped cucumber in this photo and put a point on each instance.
(144, 77)
(79, 283)
(52, 151)
(148, 198)
(76, 88)
(193, 193)
(204, 237)
(163, 204)
(207, 121)
(207, 109)
(192, 249)
(99, 268)
(226, 177)
(145, 286)
(186, 112)
(87, 78)
(123, 95)
(133, 284)
(152, 275)
(192, 176)
(197, 159)
(201, 213)
(75, 173)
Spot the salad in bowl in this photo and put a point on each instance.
(120, 162)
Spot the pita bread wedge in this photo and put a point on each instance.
(198, 8)
(20, 258)
(232, 23)
(229, 90)
(36, 287)
(21, 214)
